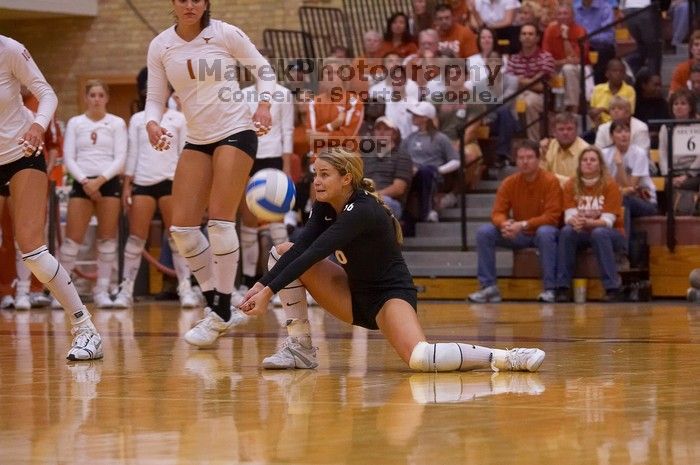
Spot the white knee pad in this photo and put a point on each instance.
(249, 236)
(42, 264)
(273, 258)
(189, 239)
(134, 246)
(223, 237)
(69, 249)
(435, 357)
(172, 244)
(107, 246)
(278, 233)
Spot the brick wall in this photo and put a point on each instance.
(115, 42)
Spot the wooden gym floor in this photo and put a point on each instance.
(619, 386)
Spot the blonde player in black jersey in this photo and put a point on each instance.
(22, 164)
(198, 56)
(372, 286)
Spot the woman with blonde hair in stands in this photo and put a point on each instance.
(369, 286)
(24, 168)
(94, 150)
(592, 218)
(148, 184)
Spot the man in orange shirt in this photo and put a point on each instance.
(526, 213)
(681, 75)
(453, 36)
(561, 40)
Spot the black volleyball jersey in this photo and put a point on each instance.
(362, 239)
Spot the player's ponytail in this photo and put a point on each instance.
(350, 162)
(368, 185)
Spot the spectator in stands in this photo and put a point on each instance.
(592, 218)
(682, 104)
(561, 40)
(397, 37)
(372, 44)
(433, 157)
(334, 113)
(695, 86)
(382, 89)
(645, 29)
(340, 51)
(560, 156)
(389, 167)
(592, 15)
(530, 12)
(679, 12)
(483, 65)
(421, 17)
(526, 213)
(453, 36)
(650, 102)
(681, 75)
(528, 66)
(497, 15)
(629, 165)
(418, 64)
(603, 93)
(401, 95)
(621, 110)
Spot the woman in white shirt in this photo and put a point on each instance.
(148, 184)
(198, 56)
(94, 152)
(24, 167)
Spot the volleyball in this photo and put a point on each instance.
(270, 194)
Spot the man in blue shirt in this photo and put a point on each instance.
(593, 14)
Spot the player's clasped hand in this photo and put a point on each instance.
(256, 300)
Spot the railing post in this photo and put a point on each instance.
(670, 214)
(462, 191)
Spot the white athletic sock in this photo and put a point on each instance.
(194, 247)
(293, 297)
(278, 233)
(51, 274)
(180, 263)
(251, 250)
(106, 257)
(449, 356)
(132, 257)
(225, 251)
(69, 254)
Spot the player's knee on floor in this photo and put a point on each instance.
(189, 240)
(435, 357)
(223, 237)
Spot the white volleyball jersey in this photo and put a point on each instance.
(280, 139)
(18, 68)
(147, 165)
(95, 148)
(203, 73)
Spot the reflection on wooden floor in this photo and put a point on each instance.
(619, 385)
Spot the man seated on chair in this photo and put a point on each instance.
(526, 213)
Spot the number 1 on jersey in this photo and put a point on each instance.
(190, 68)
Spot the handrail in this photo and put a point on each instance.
(670, 213)
(462, 200)
(582, 102)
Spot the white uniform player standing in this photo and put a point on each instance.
(198, 58)
(148, 183)
(94, 152)
(22, 164)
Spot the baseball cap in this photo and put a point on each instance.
(423, 109)
(386, 121)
